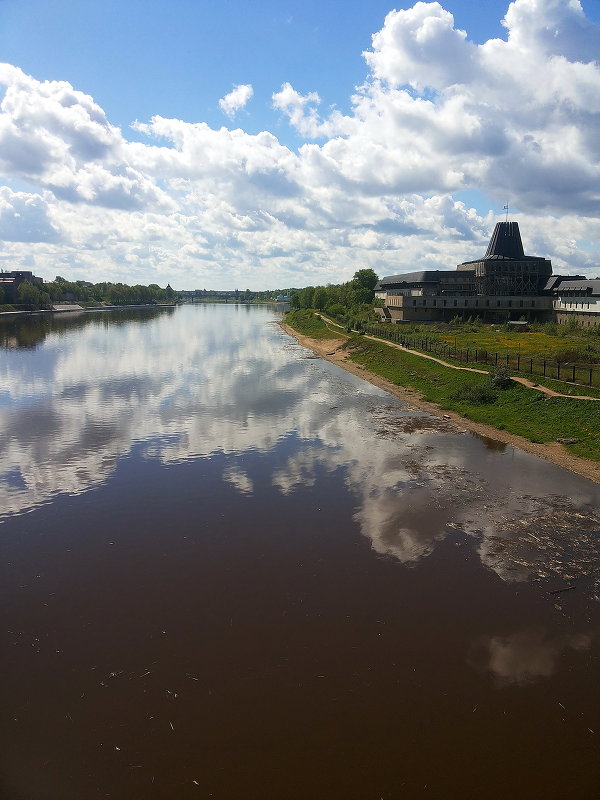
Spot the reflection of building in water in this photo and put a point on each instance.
(504, 285)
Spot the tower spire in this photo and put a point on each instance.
(506, 209)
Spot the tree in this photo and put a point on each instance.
(28, 294)
(306, 297)
(362, 285)
(365, 279)
(320, 297)
(45, 300)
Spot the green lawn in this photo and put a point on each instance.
(310, 324)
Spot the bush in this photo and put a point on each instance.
(336, 310)
(477, 394)
(500, 378)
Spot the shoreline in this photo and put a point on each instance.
(549, 451)
(79, 309)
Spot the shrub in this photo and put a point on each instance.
(477, 394)
(500, 378)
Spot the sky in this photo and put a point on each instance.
(222, 144)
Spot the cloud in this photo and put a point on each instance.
(377, 186)
(60, 139)
(236, 99)
(25, 218)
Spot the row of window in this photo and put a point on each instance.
(466, 303)
(484, 269)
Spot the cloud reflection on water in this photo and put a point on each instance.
(207, 381)
(526, 655)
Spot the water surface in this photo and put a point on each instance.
(233, 570)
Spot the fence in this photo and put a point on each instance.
(582, 374)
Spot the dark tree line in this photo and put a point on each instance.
(60, 291)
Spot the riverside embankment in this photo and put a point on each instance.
(524, 417)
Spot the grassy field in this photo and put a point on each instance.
(518, 410)
(310, 324)
(565, 346)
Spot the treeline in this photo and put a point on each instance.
(354, 298)
(62, 291)
(235, 295)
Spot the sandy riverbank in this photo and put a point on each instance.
(330, 350)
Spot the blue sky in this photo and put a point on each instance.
(410, 170)
(138, 58)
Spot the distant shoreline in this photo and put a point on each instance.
(550, 451)
(72, 310)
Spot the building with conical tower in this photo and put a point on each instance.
(505, 269)
(503, 285)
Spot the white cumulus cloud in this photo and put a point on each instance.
(379, 186)
(236, 99)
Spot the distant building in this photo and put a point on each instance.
(10, 282)
(504, 285)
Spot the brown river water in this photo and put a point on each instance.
(232, 570)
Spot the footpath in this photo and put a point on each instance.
(523, 381)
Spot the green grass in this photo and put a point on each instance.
(310, 324)
(517, 410)
(583, 348)
(558, 386)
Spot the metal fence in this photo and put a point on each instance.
(581, 374)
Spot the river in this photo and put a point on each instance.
(233, 570)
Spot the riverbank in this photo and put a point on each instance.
(339, 349)
(73, 308)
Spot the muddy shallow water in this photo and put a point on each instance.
(231, 570)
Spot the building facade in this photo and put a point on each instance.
(504, 285)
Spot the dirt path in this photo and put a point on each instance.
(330, 349)
(523, 381)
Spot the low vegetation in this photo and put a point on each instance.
(564, 343)
(310, 324)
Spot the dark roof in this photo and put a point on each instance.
(556, 280)
(506, 241)
(424, 276)
(506, 244)
(592, 286)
